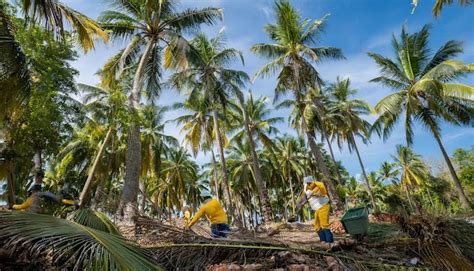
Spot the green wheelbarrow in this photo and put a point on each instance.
(356, 221)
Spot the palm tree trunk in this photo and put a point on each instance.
(216, 182)
(128, 206)
(225, 177)
(142, 187)
(411, 200)
(84, 197)
(336, 167)
(292, 193)
(35, 206)
(457, 184)
(335, 201)
(10, 185)
(369, 188)
(262, 190)
(99, 195)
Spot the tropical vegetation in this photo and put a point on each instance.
(109, 147)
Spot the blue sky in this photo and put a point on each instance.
(355, 26)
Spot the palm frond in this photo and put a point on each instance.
(93, 219)
(70, 242)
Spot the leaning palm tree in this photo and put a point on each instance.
(154, 30)
(425, 91)
(252, 121)
(346, 121)
(209, 77)
(413, 172)
(291, 56)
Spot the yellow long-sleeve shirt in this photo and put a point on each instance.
(319, 188)
(24, 205)
(213, 211)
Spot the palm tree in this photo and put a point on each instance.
(251, 118)
(439, 4)
(105, 105)
(208, 76)
(148, 26)
(289, 160)
(154, 144)
(291, 57)
(413, 172)
(388, 172)
(345, 115)
(424, 91)
(199, 130)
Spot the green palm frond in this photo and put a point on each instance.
(54, 14)
(69, 242)
(93, 219)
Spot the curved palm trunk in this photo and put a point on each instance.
(128, 206)
(338, 173)
(225, 177)
(369, 188)
(84, 197)
(262, 190)
(335, 201)
(457, 184)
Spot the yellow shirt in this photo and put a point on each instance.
(24, 205)
(319, 187)
(213, 211)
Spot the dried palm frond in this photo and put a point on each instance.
(69, 244)
(443, 243)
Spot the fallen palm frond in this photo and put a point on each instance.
(69, 244)
(445, 244)
(93, 219)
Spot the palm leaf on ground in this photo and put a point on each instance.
(90, 249)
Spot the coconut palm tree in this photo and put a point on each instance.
(347, 123)
(251, 119)
(105, 105)
(289, 160)
(198, 130)
(154, 30)
(439, 4)
(291, 57)
(388, 172)
(425, 91)
(208, 76)
(413, 172)
(154, 144)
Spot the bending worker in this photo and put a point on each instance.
(316, 194)
(216, 215)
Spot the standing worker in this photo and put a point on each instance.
(316, 194)
(216, 215)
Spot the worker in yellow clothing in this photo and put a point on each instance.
(316, 195)
(216, 215)
(35, 194)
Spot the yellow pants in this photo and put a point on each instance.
(321, 218)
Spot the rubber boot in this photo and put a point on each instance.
(328, 237)
(322, 236)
